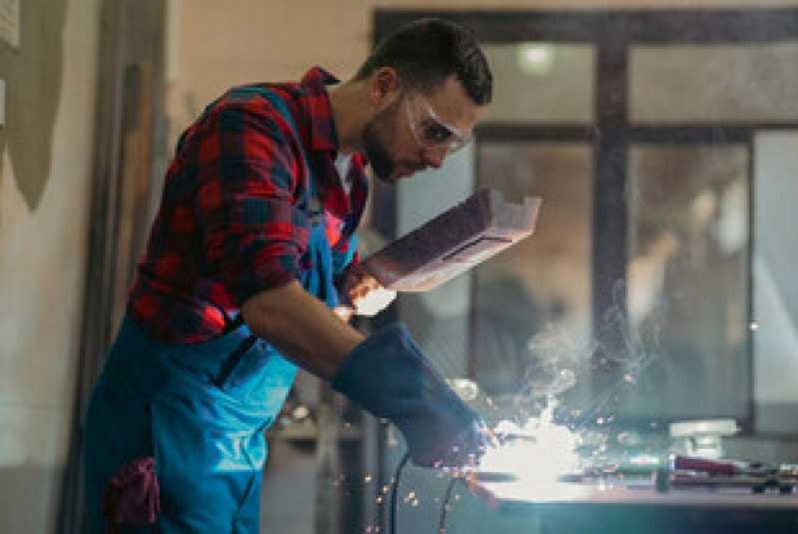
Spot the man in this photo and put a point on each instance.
(251, 248)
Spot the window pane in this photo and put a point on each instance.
(542, 83)
(775, 290)
(688, 282)
(721, 83)
(532, 302)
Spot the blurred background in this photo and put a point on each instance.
(662, 136)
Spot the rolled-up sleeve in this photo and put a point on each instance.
(252, 233)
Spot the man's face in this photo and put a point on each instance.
(418, 131)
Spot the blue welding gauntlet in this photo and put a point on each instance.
(389, 376)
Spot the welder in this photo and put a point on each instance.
(251, 253)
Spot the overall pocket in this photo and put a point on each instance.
(206, 462)
(254, 373)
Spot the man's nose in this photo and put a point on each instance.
(433, 157)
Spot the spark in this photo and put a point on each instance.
(539, 453)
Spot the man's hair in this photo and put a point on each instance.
(427, 51)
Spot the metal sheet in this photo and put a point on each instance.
(457, 240)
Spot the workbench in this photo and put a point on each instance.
(565, 508)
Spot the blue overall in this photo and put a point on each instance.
(200, 410)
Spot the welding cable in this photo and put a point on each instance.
(395, 491)
(444, 507)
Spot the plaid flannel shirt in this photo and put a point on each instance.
(235, 216)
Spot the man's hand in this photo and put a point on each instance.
(364, 294)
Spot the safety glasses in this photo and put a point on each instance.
(429, 130)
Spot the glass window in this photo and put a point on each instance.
(688, 282)
(531, 310)
(675, 84)
(775, 326)
(542, 83)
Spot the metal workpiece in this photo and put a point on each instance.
(453, 242)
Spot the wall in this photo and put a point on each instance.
(46, 150)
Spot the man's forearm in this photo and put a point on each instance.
(302, 328)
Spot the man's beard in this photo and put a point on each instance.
(374, 145)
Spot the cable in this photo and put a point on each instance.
(395, 491)
(394, 512)
(444, 507)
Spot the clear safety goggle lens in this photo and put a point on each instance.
(429, 130)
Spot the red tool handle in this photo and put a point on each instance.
(704, 465)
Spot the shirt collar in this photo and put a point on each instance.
(323, 135)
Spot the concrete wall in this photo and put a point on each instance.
(46, 151)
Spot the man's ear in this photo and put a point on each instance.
(384, 86)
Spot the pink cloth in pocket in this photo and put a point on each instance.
(132, 497)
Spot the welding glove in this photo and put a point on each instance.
(389, 376)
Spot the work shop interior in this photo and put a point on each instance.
(602, 273)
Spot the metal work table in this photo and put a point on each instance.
(636, 507)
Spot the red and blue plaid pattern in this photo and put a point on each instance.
(237, 205)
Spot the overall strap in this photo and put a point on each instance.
(233, 359)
